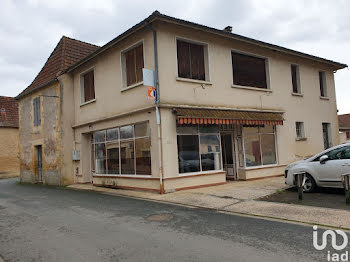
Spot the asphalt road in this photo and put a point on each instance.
(39, 223)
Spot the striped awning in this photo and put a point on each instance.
(186, 116)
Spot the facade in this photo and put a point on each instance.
(227, 107)
(9, 157)
(344, 128)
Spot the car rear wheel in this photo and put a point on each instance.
(310, 184)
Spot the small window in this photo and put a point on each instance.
(347, 134)
(323, 85)
(299, 128)
(327, 139)
(191, 60)
(37, 113)
(249, 71)
(132, 63)
(87, 84)
(295, 79)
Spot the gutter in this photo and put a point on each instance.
(158, 116)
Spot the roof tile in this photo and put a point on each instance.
(8, 112)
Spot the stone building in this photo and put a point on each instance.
(9, 157)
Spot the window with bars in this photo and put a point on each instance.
(122, 150)
(249, 71)
(87, 84)
(132, 64)
(37, 111)
(191, 60)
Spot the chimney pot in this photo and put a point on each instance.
(228, 29)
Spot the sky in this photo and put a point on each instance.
(30, 29)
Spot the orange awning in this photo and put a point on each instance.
(187, 116)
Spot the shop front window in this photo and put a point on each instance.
(198, 149)
(259, 146)
(125, 150)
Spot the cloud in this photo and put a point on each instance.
(30, 29)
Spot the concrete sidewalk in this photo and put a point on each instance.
(239, 197)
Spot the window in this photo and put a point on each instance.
(87, 86)
(249, 71)
(347, 134)
(191, 60)
(337, 154)
(125, 150)
(295, 79)
(37, 113)
(259, 146)
(299, 128)
(323, 85)
(326, 135)
(198, 149)
(132, 64)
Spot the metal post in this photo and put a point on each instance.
(299, 179)
(345, 179)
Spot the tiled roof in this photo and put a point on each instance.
(344, 121)
(8, 112)
(67, 52)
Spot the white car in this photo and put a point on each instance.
(322, 170)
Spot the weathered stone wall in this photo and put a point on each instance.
(47, 135)
(9, 156)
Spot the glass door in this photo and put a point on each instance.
(228, 155)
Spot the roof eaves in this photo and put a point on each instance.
(251, 40)
(23, 94)
(116, 40)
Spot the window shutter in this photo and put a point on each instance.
(35, 112)
(197, 62)
(183, 59)
(139, 63)
(38, 111)
(89, 88)
(130, 67)
(294, 78)
(248, 71)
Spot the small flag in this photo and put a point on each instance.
(151, 94)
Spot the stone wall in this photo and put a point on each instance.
(9, 156)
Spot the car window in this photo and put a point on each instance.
(339, 153)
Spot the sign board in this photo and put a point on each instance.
(151, 93)
(148, 77)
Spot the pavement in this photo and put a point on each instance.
(240, 197)
(43, 223)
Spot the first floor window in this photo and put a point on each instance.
(249, 71)
(259, 146)
(87, 83)
(36, 109)
(125, 150)
(198, 149)
(348, 134)
(323, 84)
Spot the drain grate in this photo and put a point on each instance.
(160, 217)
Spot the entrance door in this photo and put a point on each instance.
(228, 156)
(40, 164)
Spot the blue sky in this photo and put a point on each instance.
(30, 29)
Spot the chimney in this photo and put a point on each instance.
(228, 29)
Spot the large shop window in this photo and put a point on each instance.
(259, 146)
(198, 149)
(125, 150)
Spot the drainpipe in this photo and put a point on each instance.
(158, 117)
